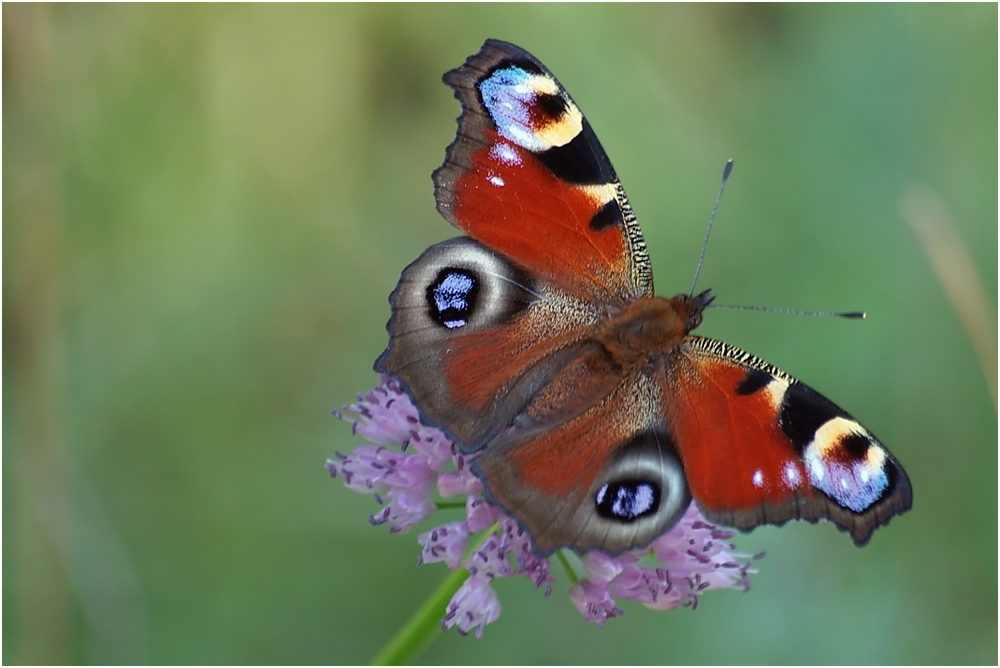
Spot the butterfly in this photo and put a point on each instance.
(589, 411)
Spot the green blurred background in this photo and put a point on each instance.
(205, 208)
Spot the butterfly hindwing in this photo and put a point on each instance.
(607, 478)
(760, 447)
(527, 176)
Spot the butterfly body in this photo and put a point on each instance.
(649, 328)
(590, 411)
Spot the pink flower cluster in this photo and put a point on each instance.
(407, 460)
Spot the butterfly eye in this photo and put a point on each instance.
(628, 500)
(452, 297)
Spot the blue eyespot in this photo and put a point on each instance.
(452, 297)
(627, 500)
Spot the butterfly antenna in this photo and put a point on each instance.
(711, 219)
(850, 315)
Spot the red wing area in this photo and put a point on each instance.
(514, 204)
(573, 424)
(734, 452)
(760, 447)
(482, 369)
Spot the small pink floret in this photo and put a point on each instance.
(474, 606)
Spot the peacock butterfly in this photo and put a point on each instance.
(590, 411)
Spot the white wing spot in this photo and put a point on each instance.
(791, 475)
(758, 478)
(816, 470)
(506, 154)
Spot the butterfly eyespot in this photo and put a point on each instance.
(452, 297)
(628, 500)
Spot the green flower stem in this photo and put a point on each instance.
(568, 567)
(422, 628)
(425, 624)
(450, 505)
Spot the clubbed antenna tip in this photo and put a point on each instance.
(715, 207)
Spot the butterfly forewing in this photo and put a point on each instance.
(527, 176)
(761, 447)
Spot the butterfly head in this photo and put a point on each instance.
(693, 306)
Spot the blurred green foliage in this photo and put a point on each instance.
(205, 208)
